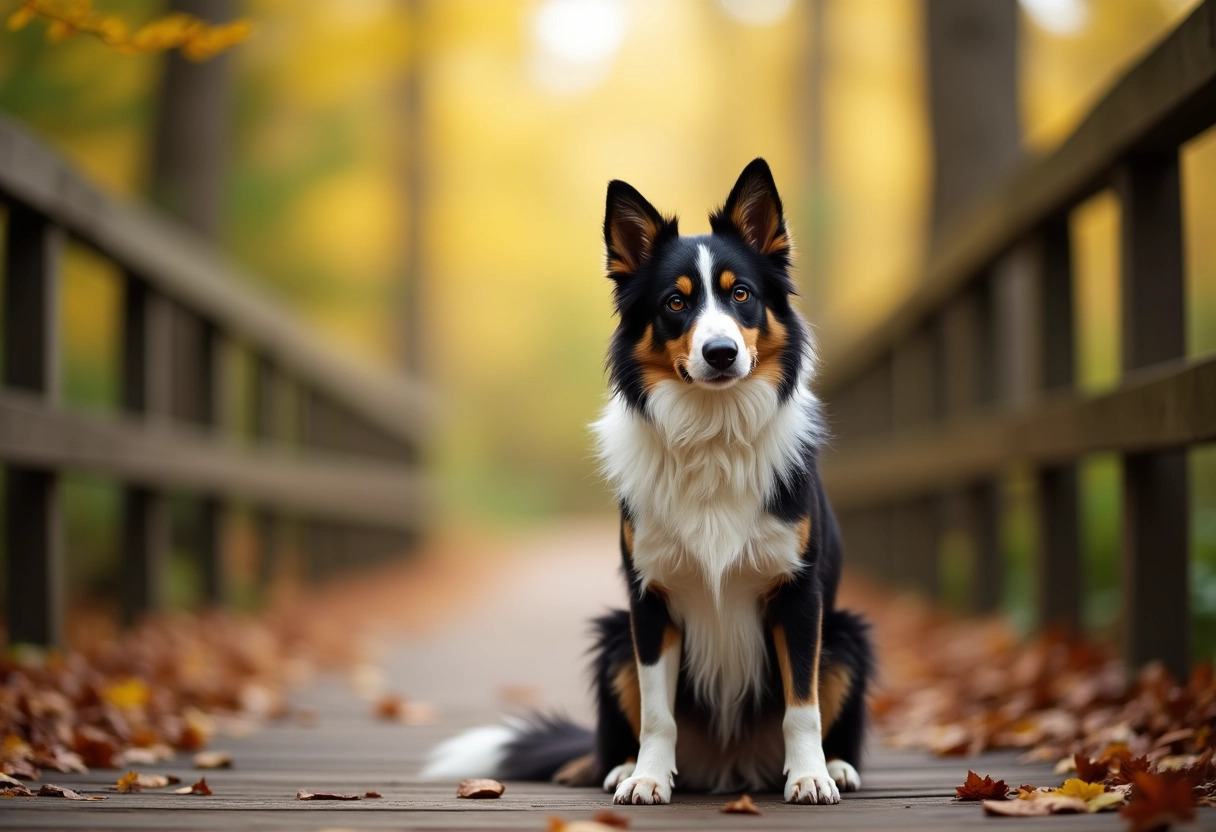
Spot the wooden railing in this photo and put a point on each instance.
(973, 376)
(335, 447)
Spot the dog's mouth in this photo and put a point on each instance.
(718, 381)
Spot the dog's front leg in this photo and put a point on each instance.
(657, 645)
(797, 641)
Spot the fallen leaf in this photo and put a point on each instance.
(1104, 801)
(372, 795)
(19, 790)
(149, 756)
(200, 787)
(977, 788)
(1075, 787)
(9, 781)
(390, 707)
(50, 790)
(1128, 768)
(557, 824)
(480, 788)
(1089, 770)
(1158, 801)
(213, 759)
(742, 806)
(1040, 804)
(304, 795)
(129, 782)
(610, 818)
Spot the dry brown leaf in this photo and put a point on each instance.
(1039, 804)
(213, 759)
(742, 806)
(1089, 770)
(390, 707)
(51, 790)
(480, 788)
(609, 818)
(1159, 800)
(306, 795)
(200, 787)
(977, 788)
(18, 790)
(557, 824)
(372, 795)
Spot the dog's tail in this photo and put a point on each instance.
(536, 748)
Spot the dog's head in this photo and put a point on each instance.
(712, 310)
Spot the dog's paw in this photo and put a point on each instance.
(811, 788)
(618, 774)
(845, 775)
(643, 790)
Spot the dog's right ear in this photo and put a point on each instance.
(633, 229)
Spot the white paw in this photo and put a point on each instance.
(845, 775)
(811, 788)
(618, 774)
(643, 790)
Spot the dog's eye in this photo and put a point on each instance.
(675, 303)
(741, 294)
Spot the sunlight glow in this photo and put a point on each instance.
(576, 41)
(1060, 17)
(757, 12)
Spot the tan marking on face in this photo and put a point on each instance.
(627, 536)
(766, 348)
(787, 674)
(834, 687)
(684, 284)
(726, 280)
(660, 363)
(629, 695)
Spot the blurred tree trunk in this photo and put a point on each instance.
(412, 335)
(817, 192)
(190, 142)
(973, 97)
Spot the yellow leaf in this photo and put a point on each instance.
(129, 782)
(111, 29)
(1106, 800)
(1075, 787)
(127, 694)
(18, 19)
(59, 31)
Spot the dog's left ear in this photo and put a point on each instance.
(753, 211)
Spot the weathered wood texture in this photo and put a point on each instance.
(499, 636)
(971, 378)
(182, 310)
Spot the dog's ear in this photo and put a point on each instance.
(633, 229)
(753, 211)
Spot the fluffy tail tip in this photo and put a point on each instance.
(478, 752)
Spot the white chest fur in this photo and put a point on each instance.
(696, 477)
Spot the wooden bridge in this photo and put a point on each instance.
(971, 378)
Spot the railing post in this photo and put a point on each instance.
(967, 372)
(147, 390)
(31, 362)
(916, 523)
(1155, 497)
(212, 384)
(268, 419)
(1059, 571)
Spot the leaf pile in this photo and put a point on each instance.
(963, 687)
(165, 687)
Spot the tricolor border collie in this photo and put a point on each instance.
(732, 669)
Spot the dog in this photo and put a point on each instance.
(733, 668)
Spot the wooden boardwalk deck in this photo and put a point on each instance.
(503, 635)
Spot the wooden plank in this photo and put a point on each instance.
(1156, 518)
(1060, 570)
(1164, 407)
(33, 543)
(174, 456)
(1165, 99)
(186, 269)
(147, 392)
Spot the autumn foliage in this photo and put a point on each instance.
(197, 39)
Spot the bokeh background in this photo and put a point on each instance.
(423, 182)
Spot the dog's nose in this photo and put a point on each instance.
(720, 353)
